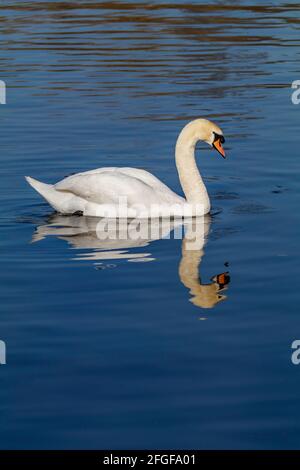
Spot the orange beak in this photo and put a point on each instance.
(218, 146)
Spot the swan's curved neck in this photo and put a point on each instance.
(189, 175)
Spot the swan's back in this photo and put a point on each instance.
(108, 185)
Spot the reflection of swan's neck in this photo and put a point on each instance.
(203, 295)
(189, 269)
(189, 175)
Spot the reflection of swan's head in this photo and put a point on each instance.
(209, 295)
(205, 130)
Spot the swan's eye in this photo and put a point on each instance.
(219, 137)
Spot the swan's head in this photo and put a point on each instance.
(205, 130)
(212, 134)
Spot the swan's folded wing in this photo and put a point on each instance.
(138, 173)
(106, 187)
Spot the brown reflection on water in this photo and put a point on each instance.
(138, 21)
(150, 50)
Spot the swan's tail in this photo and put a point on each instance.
(62, 201)
(42, 188)
(47, 191)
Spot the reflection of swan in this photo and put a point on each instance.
(131, 192)
(88, 233)
(110, 239)
(203, 295)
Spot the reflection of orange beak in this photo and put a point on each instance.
(218, 146)
(222, 280)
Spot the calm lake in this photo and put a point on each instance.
(148, 345)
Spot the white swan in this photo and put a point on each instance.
(131, 192)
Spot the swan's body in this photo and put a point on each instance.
(120, 192)
(132, 192)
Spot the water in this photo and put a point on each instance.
(115, 349)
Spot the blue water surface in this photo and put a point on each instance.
(139, 346)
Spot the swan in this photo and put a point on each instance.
(132, 192)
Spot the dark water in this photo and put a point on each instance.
(105, 350)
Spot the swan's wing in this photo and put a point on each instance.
(138, 173)
(107, 185)
(106, 188)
